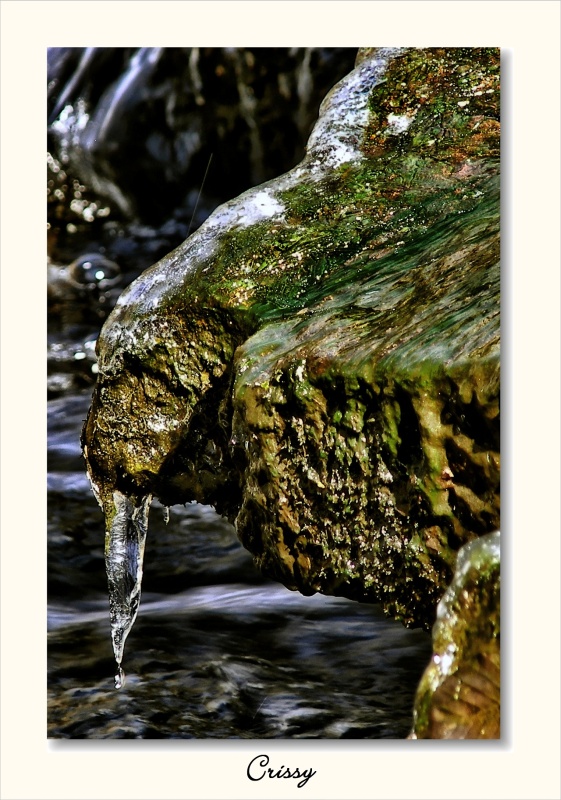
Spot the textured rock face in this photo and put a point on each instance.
(320, 361)
(459, 694)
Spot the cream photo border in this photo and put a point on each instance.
(525, 763)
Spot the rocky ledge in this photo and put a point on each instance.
(320, 360)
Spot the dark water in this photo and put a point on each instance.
(216, 651)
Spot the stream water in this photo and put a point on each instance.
(216, 650)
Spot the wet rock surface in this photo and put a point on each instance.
(321, 359)
(459, 694)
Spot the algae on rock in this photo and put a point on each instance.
(320, 360)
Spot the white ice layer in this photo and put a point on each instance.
(343, 115)
(398, 123)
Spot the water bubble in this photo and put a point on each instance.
(94, 269)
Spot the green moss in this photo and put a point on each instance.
(449, 99)
(406, 185)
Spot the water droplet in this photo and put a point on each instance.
(120, 678)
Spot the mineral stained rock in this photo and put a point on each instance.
(459, 694)
(320, 360)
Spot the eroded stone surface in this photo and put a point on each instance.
(320, 360)
(459, 694)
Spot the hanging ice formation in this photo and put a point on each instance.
(124, 554)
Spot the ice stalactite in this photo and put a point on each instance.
(124, 554)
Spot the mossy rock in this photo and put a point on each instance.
(459, 694)
(320, 360)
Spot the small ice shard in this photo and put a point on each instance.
(124, 554)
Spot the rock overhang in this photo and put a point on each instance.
(320, 360)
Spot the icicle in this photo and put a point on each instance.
(166, 514)
(124, 554)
